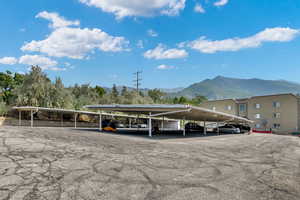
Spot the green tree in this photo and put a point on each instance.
(8, 82)
(124, 91)
(114, 94)
(100, 91)
(35, 90)
(156, 95)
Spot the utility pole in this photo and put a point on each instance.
(137, 80)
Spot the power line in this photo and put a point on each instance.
(137, 80)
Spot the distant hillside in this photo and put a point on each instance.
(223, 87)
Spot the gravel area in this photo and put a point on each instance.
(64, 163)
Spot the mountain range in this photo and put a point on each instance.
(224, 87)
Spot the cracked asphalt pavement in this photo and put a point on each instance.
(63, 163)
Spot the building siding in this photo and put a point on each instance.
(286, 115)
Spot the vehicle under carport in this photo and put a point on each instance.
(179, 112)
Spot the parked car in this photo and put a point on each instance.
(193, 127)
(110, 126)
(227, 129)
(139, 126)
(243, 128)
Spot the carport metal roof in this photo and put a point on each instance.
(36, 109)
(176, 111)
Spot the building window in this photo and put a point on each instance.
(214, 108)
(257, 125)
(229, 107)
(242, 107)
(277, 126)
(276, 104)
(276, 115)
(257, 106)
(257, 116)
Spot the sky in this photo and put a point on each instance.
(174, 43)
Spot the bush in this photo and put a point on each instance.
(3, 108)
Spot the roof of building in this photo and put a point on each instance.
(243, 99)
(187, 112)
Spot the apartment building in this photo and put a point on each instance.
(279, 112)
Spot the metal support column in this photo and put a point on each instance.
(20, 118)
(150, 125)
(129, 122)
(184, 126)
(218, 129)
(75, 120)
(31, 118)
(100, 122)
(204, 127)
(162, 123)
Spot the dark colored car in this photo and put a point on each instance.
(193, 127)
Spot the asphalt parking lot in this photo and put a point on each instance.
(63, 163)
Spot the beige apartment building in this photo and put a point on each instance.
(280, 112)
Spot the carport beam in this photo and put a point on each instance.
(150, 125)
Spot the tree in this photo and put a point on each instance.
(198, 100)
(114, 94)
(100, 91)
(8, 82)
(156, 95)
(124, 91)
(35, 90)
(60, 97)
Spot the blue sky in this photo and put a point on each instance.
(174, 42)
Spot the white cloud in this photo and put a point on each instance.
(199, 9)
(44, 62)
(161, 52)
(144, 8)
(8, 60)
(140, 44)
(76, 43)
(278, 34)
(165, 67)
(57, 21)
(221, 3)
(152, 33)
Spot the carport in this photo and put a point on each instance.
(100, 114)
(33, 110)
(179, 112)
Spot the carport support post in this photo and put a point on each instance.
(75, 120)
(184, 126)
(204, 127)
(100, 122)
(20, 118)
(150, 125)
(218, 128)
(129, 122)
(31, 118)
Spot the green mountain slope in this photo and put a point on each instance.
(223, 87)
